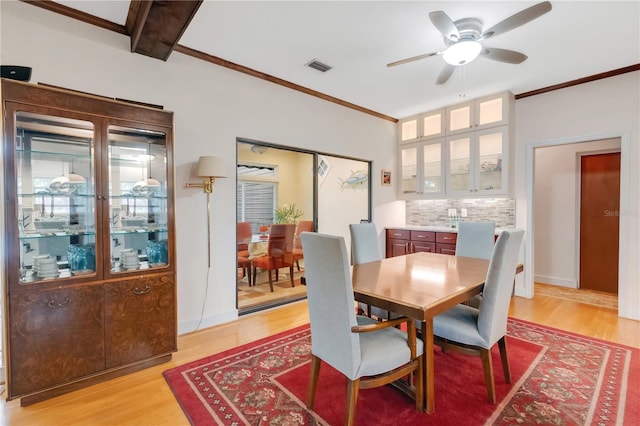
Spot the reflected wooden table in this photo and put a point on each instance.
(420, 286)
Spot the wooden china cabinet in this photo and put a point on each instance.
(89, 239)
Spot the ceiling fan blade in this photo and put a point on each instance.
(445, 25)
(503, 55)
(520, 18)
(445, 74)
(411, 59)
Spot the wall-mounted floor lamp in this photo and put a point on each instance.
(209, 168)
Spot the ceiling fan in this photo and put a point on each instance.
(463, 38)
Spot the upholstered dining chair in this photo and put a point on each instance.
(476, 331)
(279, 252)
(475, 239)
(365, 248)
(303, 226)
(369, 353)
(243, 237)
(245, 264)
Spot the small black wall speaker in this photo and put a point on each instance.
(16, 72)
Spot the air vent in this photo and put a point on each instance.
(317, 65)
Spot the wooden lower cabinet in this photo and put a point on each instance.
(63, 337)
(56, 336)
(140, 319)
(404, 241)
(446, 242)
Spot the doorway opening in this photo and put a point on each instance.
(559, 246)
(276, 185)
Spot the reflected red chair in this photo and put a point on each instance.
(245, 264)
(303, 226)
(279, 252)
(243, 237)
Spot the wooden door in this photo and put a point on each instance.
(599, 221)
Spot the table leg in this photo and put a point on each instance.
(429, 380)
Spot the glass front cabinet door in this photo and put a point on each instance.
(88, 239)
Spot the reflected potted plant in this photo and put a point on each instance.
(287, 213)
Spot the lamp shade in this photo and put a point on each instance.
(211, 167)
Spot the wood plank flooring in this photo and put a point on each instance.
(143, 398)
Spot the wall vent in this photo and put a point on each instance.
(317, 65)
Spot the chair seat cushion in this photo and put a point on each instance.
(268, 262)
(383, 350)
(459, 324)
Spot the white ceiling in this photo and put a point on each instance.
(358, 38)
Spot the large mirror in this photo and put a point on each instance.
(277, 185)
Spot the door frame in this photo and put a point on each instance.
(525, 289)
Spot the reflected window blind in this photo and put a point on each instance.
(256, 203)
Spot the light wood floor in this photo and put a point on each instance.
(143, 398)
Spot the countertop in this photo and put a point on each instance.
(440, 228)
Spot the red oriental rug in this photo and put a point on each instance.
(558, 378)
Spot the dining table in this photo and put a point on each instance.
(420, 286)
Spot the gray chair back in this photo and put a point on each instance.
(365, 246)
(475, 239)
(330, 299)
(498, 287)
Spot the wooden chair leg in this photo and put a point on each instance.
(313, 381)
(502, 344)
(271, 280)
(352, 398)
(298, 265)
(255, 274)
(249, 274)
(487, 366)
(291, 275)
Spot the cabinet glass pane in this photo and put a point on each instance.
(459, 164)
(137, 198)
(432, 168)
(432, 125)
(490, 111)
(490, 156)
(55, 188)
(460, 118)
(409, 130)
(409, 170)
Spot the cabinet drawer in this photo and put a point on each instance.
(446, 249)
(446, 237)
(428, 236)
(399, 234)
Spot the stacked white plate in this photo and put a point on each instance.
(46, 268)
(129, 260)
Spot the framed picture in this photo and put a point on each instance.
(386, 178)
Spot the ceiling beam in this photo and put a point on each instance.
(52, 6)
(155, 26)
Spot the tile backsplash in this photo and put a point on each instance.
(502, 211)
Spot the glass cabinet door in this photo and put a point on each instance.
(432, 170)
(54, 160)
(409, 171)
(491, 145)
(459, 170)
(137, 198)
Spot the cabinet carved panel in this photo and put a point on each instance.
(56, 337)
(140, 319)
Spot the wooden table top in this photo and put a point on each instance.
(419, 285)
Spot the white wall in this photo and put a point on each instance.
(212, 107)
(556, 213)
(601, 109)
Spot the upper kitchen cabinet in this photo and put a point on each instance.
(481, 113)
(422, 169)
(89, 265)
(476, 165)
(424, 126)
(471, 160)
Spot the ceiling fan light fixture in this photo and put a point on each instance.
(462, 52)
